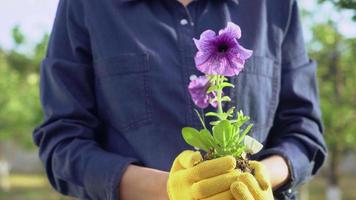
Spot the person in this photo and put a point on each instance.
(115, 97)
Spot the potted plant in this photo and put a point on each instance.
(225, 171)
(219, 57)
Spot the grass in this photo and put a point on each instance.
(318, 186)
(36, 187)
(27, 181)
(30, 187)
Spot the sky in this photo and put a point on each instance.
(35, 17)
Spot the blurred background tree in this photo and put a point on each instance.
(343, 4)
(336, 59)
(19, 100)
(337, 80)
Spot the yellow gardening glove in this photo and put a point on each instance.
(209, 180)
(249, 187)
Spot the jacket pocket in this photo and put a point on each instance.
(123, 89)
(256, 93)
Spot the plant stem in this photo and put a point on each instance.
(219, 94)
(217, 82)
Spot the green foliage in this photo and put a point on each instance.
(227, 136)
(343, 4)
(336, 72)
(17, 35)
(193, 137)
(19, 100)
(226, 139)
(222, 133)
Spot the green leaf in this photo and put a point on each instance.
(234, 134)
(236, 124)
(207, 138)
(225, 98)
(231, 110)
(192, 137)
(212, 78)
(222, 132)
(239, 151)
(241, 119)
(221, 116)
(212, 114)
(232, 140)
(214, 123)
(244, 133)
(212, 88)
(220, 152)
(227, 84)
(233, 121)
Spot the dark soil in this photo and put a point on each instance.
(243, 165)
(241, 162)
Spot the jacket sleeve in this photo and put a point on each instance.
(74, 162)
(296, 134)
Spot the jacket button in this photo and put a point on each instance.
(183, 22)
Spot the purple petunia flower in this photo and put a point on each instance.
(198, 88)
(221, 54)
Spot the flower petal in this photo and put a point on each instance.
(237, 65)
(244, 53)
(201, 58)
(198, 90)
(210, 66)
(231, 29)
(204, 42)
(221, 54)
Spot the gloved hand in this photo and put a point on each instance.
(209, 180)
(249, 187)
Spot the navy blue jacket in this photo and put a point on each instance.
(114, 88)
